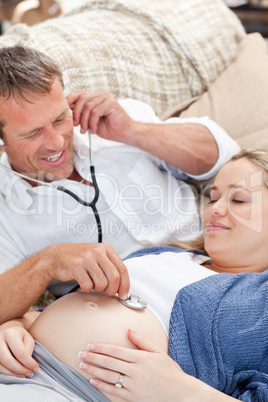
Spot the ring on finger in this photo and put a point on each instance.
(119, 384)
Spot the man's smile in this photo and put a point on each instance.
(57, 159)
(54, 157)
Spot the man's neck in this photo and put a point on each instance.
(76, 177)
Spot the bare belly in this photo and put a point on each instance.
(73, 321)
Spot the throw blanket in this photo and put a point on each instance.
(219, 333)
(160, 52)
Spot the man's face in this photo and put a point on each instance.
(39, 135)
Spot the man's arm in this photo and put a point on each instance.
(189, 146)
(93, 266)
(21, 286)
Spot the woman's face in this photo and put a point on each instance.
(236, 221)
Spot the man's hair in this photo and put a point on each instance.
(25, 71)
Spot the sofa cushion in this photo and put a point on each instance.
(238, 99)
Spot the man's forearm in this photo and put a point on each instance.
(21, 286)
(93, 265)
(190, 146)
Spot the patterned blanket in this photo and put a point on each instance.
(160, 52)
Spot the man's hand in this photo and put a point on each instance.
(94, 266)
(190, 147)
(102, 114)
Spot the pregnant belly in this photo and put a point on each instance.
(73, 321)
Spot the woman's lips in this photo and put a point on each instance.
(214, 226)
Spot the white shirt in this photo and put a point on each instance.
(158, 278)
(141, 203)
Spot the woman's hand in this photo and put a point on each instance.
(16, 348)
(148, 374)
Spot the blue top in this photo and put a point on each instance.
(219, 331)
(160, 249)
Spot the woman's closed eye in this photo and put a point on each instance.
(238, 201)
(212, 202)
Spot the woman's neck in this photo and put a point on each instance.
(233, 269)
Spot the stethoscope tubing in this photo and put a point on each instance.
(133, 302)
(91, 204)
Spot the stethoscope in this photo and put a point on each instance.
(91, 204)
(132, 301)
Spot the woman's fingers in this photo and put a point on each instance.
(124, 393)
(17, 373)
(16, 357)
(108, 376)
(113, 357)
(147, 375)
(10, 365)
(105, 380)
(107, 357)
(142, 343)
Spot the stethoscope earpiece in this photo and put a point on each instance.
(1, 142)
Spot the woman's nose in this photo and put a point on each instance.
(219, 208)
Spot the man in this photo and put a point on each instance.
(140, 201)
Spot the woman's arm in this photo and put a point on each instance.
(148, 374)
(16, 346)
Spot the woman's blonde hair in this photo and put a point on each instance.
(258, 157)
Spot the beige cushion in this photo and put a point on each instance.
(238, 99)
(160, 52)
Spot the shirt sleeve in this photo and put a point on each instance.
(10, 246)
(226, 145)
(142, 112)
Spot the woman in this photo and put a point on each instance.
(236, 226)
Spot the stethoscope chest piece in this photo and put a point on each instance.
(134, 302)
